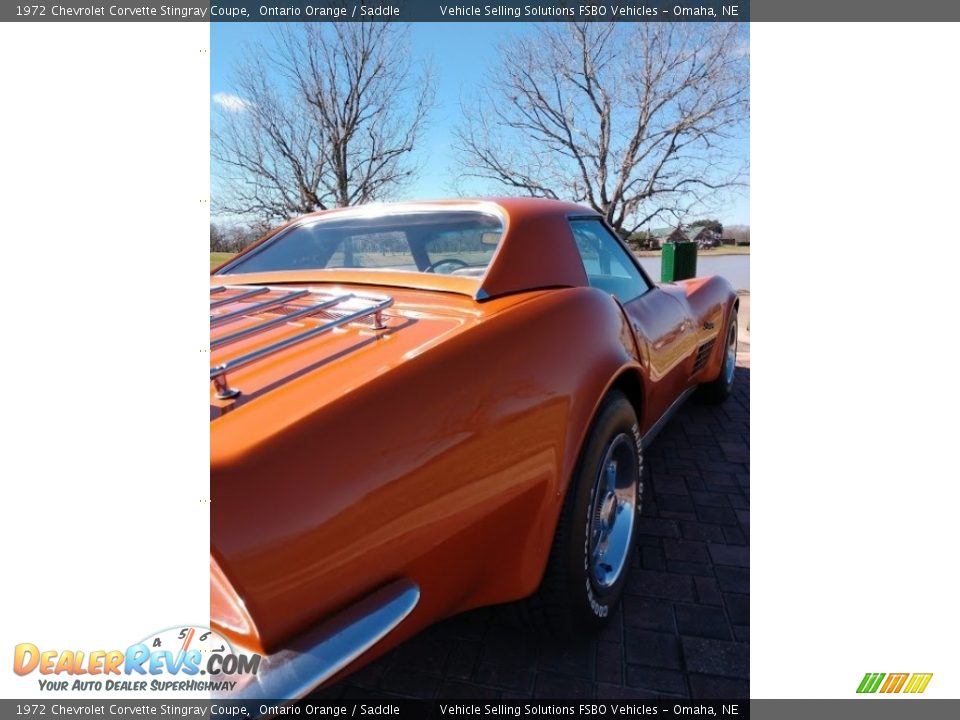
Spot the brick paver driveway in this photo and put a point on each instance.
(683, 628)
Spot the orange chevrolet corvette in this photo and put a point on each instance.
(420, 408)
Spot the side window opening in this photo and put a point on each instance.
(607, 264)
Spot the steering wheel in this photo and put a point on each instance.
(432, 267)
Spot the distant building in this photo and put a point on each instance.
(665, 235)
(703, 236)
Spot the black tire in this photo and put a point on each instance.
(571, 601)
(718, 390)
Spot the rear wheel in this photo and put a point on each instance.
(595, 538)
(719, 390)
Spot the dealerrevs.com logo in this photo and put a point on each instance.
(910, 683)
(179, 659)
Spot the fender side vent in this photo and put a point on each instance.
(703, 354)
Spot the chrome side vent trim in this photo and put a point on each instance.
(703, 355)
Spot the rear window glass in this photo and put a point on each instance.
(452, 243)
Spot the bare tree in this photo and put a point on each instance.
(739, 233)
(634, 119)
(217, 238)
(233, 237)
(327, 116)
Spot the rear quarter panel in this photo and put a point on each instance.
(450, 469)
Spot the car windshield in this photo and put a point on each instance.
(449, 242)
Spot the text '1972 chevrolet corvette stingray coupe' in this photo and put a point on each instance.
(418, 409)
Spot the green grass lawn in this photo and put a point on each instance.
(217, 258)
(722, 250)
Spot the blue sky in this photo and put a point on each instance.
(461, 53)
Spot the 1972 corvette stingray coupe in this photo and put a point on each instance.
(417, 409)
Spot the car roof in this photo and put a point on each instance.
(537, 250)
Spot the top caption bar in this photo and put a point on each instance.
(387, 10)
(481, 11)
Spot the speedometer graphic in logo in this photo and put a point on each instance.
(190, 649)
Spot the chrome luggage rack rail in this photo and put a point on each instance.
(353, 306)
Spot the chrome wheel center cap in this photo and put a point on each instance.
(608, 510)
(610, 531)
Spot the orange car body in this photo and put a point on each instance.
(437, 450)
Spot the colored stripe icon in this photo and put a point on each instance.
(918, 683)
(894, 682)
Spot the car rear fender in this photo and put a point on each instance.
(448, 470)
(603, 358)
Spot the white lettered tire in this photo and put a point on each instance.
(595, 539)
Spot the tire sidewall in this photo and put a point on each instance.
(596, 603)
(732, 328)
(718, 390)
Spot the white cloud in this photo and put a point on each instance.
(233, 103)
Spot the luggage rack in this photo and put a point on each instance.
(350, 307)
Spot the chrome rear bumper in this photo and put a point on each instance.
(315, 657)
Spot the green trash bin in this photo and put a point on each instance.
(678, 261)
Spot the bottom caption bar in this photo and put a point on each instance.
(371, 708)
